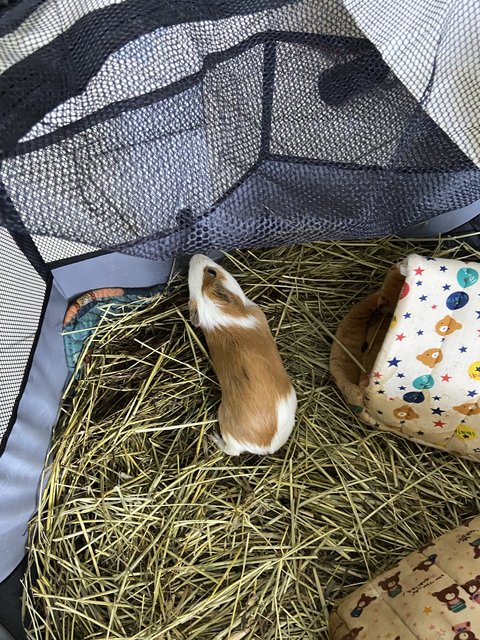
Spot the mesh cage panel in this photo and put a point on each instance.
(232, 102)
(56, 249)
(21, 302)
(157, 131)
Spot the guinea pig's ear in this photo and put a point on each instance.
(193, 309)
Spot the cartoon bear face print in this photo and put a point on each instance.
(405, 413)
(468, 408)
(430, 357)
(465, 635)
(352, 634)
(425, 565)
(363, 602)
(447, 325)
(391, 585)
(450, 598)
(463, 632)
(472, 587)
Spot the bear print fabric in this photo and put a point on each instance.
(433, 594)
(425, 383)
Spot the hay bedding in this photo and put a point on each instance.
(146, 531)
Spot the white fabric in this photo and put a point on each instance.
(417, 36)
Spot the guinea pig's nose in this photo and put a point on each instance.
(197, 259)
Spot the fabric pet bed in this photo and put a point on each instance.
(407, 357)
(431, 594)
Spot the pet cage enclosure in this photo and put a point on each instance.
(136, 131)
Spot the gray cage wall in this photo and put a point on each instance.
(136, 131)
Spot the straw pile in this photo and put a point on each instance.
(146, 531)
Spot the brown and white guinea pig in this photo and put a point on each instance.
(257, 412)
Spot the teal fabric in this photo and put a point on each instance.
(82, 325)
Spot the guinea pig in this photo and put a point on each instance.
(257, 411)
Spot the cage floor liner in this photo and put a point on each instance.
(146, 531)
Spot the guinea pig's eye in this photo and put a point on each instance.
(211, 272)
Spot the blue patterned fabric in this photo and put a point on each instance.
(78, 330)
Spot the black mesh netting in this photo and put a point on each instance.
(21, 302)
(163, 128)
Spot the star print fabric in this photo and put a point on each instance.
(425, 382)
(432, 594)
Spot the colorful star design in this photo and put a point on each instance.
(400, 375)
(443, 268)
(437, 411)
(427, 610)
(377, 374)
(423, 298)
(419, 283)
(472, 394)
(437, 398)
(419, 332)
(447, 287)
(478, 314)
(434, 306)
(421, 433)
(402, 388)
(400, 336)
(381, 391)
(376, 382)
(393, 362)
(439, 423)
(419, 271)
(446, 378)
(409, 315)
(463, 349)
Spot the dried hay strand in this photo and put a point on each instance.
(146, 531)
